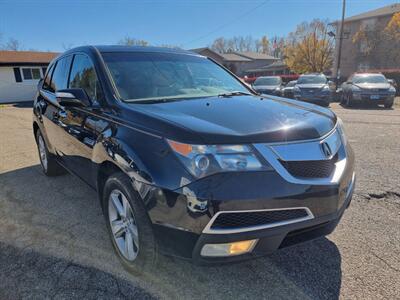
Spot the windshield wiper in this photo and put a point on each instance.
(234, 93)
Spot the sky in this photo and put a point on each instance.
(56, 24)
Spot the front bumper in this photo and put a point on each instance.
(270, 240)
(182, 230)
(373, 97)
(325, 97)
(270, 92)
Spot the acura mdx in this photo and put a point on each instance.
(188, 160)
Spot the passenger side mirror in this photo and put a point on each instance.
(73, 97)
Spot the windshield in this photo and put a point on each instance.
(268, 81)
(142, 76)
(369, 79)
(312, 79)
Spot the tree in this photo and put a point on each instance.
(264, 43)
(391, 44)
(219, 45)
(12, 44)
(129, 41)
(309, 48)
(378, 43)
(241, 44)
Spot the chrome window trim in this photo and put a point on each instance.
(209, 230)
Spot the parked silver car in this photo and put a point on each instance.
(368, 88)
(270, 85)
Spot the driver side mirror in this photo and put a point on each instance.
(73, 97)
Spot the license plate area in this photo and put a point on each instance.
(374, 97)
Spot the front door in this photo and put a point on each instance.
(78, 123)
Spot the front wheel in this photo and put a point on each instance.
(389, 104)
(128, 224)
(349, 101)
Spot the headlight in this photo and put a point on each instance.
(340, 129)
(203, 160)
(326, 89)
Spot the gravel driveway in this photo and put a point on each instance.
(54, 244)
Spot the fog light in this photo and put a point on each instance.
(228, 249)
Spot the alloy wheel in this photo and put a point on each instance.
(123, 225)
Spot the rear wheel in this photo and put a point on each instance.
(48, 162)
(128, 224)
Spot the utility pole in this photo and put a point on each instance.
(340, 43)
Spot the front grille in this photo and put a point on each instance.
(232, 220)
(310, 168)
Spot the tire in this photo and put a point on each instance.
(50, 166)
(388, 104)
(324, 103)
(137, 225)
(342, 99)
(349, 102)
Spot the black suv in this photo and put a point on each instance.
(186, 159)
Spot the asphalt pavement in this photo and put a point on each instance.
(54, 244)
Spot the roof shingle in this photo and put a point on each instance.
(18, 57)
(233, 57)
(255, 55)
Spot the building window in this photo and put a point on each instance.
(31, 73)
(17, 75)
(363, 66)
(368, 24)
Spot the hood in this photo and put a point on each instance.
(373, 85)
(265, 87)
(239, 119)
(311, 86)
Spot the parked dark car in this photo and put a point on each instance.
(288, 89)
(315, 88)
(269, 85)
(186, 159)
(368, 88)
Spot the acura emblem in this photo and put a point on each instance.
(326, 149)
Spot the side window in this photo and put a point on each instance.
(83, 75)
(31, 73)
(60, 74)
(47, 80)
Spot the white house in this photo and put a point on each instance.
(20, 72)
